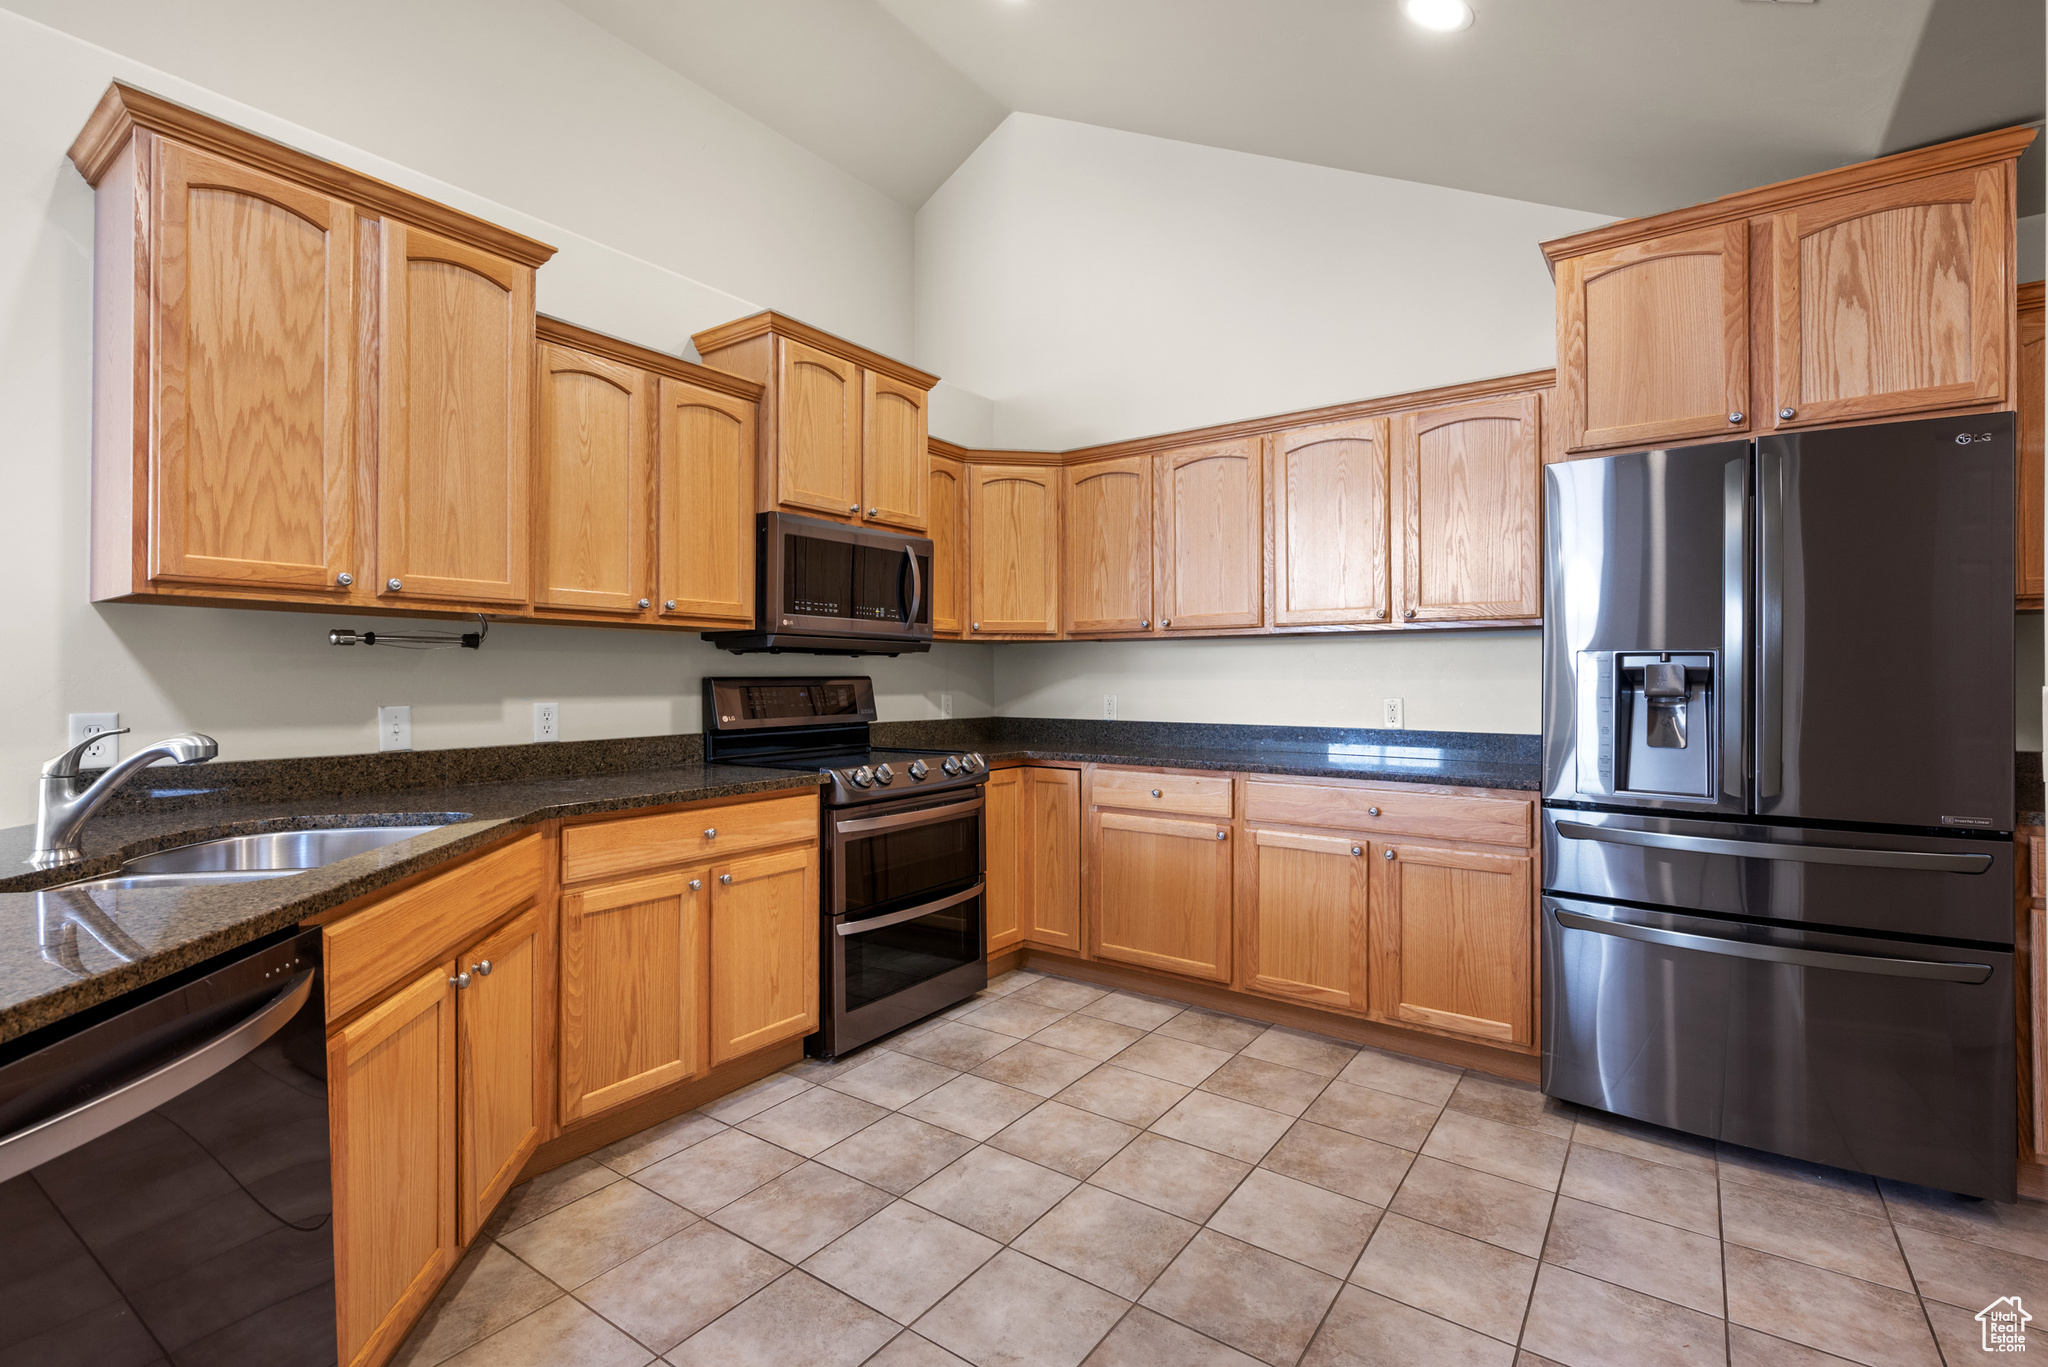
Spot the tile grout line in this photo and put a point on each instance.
(1522, 1331)
(1721, 1228)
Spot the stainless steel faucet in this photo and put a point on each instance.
(62, 806)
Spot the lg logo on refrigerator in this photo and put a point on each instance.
(1965, 438)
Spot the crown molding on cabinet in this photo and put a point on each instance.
(123, 109)
(660, 362)
(972, 456)
(781, 325)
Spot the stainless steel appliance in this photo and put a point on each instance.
(1778, 794)
(902, 919)
(164, 1187)
(827, 588)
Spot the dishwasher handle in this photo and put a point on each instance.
(1776, 954)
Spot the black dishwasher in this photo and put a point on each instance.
(164, 1189)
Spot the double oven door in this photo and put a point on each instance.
(903, 928)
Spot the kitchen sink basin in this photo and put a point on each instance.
(273, 853)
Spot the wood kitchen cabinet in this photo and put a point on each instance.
(1210, 542)
(1331, 530)
(1159, 878)
(1033, 821)
(764, 951)
(1013, 544)
(844, 429)
(1470, 520)
(1871, 291)
(504, 1083)
(1006, 842)
(2032, 420)
(633, 1000)
(594, 487)
(704, 446)
(1305, 917)
(1452, 940)
(946, 507)
(1107, 544)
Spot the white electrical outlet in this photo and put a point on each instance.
(547, 721)
(1390, 713)
(945, 705)
(1109, 707)
(86, 725)
(394, 728)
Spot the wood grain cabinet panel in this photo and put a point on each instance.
(2032, 421)
(255, 308)
(895, 457)
(1468, 505)
(1162, 893)
(1306, 938)
(1331, 564)
(1452, 933)
(1013, 550)
(1007, 842)
(505, 1088)
(817, 431)
(1052, 798)
(764, 951)
(632, 990)
(391, 1132)
(1210, 537)
(1653, 339)
(1893, 300)
(593, 522)
(1107, 538)
(947, 513)
(454, 455)
(705, 446)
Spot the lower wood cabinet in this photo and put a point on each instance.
(1161, 893)
(1004, 844)
(501, 1020)
(632, 994)
(1033, 819)
(1453, 939)
(1305, 921)
(764, 951)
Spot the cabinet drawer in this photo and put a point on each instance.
(370, 951)
(604, 848)
(1137, 790)
(1492, 820)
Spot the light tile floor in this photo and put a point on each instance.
(1051, 1175)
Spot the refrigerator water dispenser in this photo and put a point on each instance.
(1652, 717)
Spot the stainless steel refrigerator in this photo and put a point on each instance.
(1778, 795)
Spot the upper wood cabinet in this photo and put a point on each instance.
(1653, 339)
(593, 496)
(844, 429)
(2028, 502)
(1467, 500)
(1874, 290)
(947, 508)
(1013, 547)
(1107, 539)
(705, 455)
(1330, 526)
(1210, 541)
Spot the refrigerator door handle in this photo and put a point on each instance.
(1734, 623)
(1770, 703)
(1767, 849)
(1777, 954)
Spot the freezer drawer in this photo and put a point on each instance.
(1884, 1056)
(1946, 887)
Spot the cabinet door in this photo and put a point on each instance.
(254, 332)
(1330, 529)
(595, 486)
(2027, 541)
(454, 458)
(1451, 940)
(1893, 300)
(391, 1132)
(503, 1022)
(948, 529)
(1162, 893)
(1469, 522)
(706, 496)
(1013, 550)
(895, 461)
(1108, 546)
(1211, 537)
(1653, 339)
(632, 990)
(1003, 818)
(1307, 934)
(817, 431)
(764, 952)
(1052, 798)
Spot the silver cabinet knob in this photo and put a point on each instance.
(726, 879)
(1145, 622)
(1357, 850)
(1155, 792)
(1221, 834)
(1386, 854)
(1409, 614)
(872, 511)
(1166, 621)
(696, 885)
(1737, 417)
(646, 602)
(853, 507)
(668, 605)
(1378, 613)
(1788, 412)
(394, 584)
(1372, 811)
(344, 579)
(977, 626)
(481, 969)
(459, 981)
(711, 832)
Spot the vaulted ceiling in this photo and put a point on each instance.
(1614, 106)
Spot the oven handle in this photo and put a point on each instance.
(1776, 954)
(916, 585)
(895, 918)
(921, 817)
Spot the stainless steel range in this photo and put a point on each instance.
(902, 840)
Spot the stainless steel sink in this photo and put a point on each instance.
(274, 853)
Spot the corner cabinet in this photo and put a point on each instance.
(1033, 819)
(1013, 549)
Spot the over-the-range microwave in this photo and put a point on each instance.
(826, 588)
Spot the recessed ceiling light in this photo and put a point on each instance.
(1438, 16)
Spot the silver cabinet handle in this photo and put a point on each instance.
(1155, 792)
(871, 512)
(668, 605)
(711, 832)
(853, 507)
(1737, 417)
(483, 969)
(1386, 854)
(1776, 954)
(1145, 623)
(726, 879)
(1788, 413)
(977, 626)
(344, 579)
(1357, 850)
(1372, 811)
(394, 584)
(1409, 614)
(1166, 621)
(1222, 834)
(646, 602)
(1770, 849)
(459, 981)
(696, 885)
